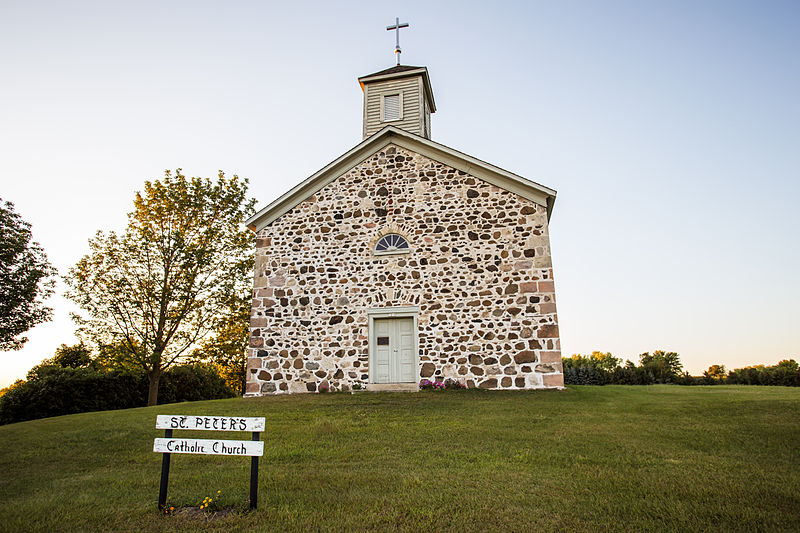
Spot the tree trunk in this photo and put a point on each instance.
(152, 393)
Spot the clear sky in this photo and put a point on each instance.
(670, 129)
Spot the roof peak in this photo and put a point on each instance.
(497, 176)
(393, 70)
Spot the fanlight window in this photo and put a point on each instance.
(392, 243)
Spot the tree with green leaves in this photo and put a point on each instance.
(159, 289)
(75, 356)
(715, 374)
(606, 361)
(26, 280)
(663, 367)
(227, 348)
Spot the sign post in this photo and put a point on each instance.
(162, 490)
(169, 445)
(254, 476)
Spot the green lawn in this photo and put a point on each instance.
(588, 458)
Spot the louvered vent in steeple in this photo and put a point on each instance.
(391, 107)
(400, 96)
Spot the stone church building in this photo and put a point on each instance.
(404, 260)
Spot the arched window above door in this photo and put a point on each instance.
(392, 244)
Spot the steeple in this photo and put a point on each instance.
(400, 96)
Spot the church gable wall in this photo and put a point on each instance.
(479, 272)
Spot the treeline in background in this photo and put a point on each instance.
(75, 381)
(600, 368)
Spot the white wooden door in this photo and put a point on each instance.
(393, 342)
(381, 340)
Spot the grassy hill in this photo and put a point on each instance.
(589, 458)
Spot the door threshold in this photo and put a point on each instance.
(392, 387)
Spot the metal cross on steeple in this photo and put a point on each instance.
(396, 27)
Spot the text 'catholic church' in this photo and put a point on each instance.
(404, 260)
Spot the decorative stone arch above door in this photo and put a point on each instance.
(387, 230)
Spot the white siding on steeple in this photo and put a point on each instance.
(409, 89)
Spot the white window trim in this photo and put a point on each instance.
(399, 102)
(392, 252)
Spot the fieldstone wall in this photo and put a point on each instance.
(479, 270)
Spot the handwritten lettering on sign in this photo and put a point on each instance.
(209, 446)
(170, 445)
(210, 423)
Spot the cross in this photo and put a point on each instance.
(396, 27)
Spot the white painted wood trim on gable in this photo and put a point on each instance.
(497, 176)
(422, 106)
(364, 112)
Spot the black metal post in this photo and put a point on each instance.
(162, 491)
(254, 477)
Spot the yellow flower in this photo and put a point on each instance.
(219, 491)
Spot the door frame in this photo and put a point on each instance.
(410, 311)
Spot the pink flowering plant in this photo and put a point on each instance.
(448, 384)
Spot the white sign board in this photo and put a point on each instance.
(209, 446)
(210, 423)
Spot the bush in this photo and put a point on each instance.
(688, 379)
(665, 367)
(785, 373)
(448, 384)
(594, 369)
(661, 366)
(585, 375)
(191, 383)
(59, 391)
(603, 368)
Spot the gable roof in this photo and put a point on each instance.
(390, 135)
(391, 70)
(402, 71)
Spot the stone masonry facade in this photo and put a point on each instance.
(479, 271)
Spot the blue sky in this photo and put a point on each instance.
(669, 129)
